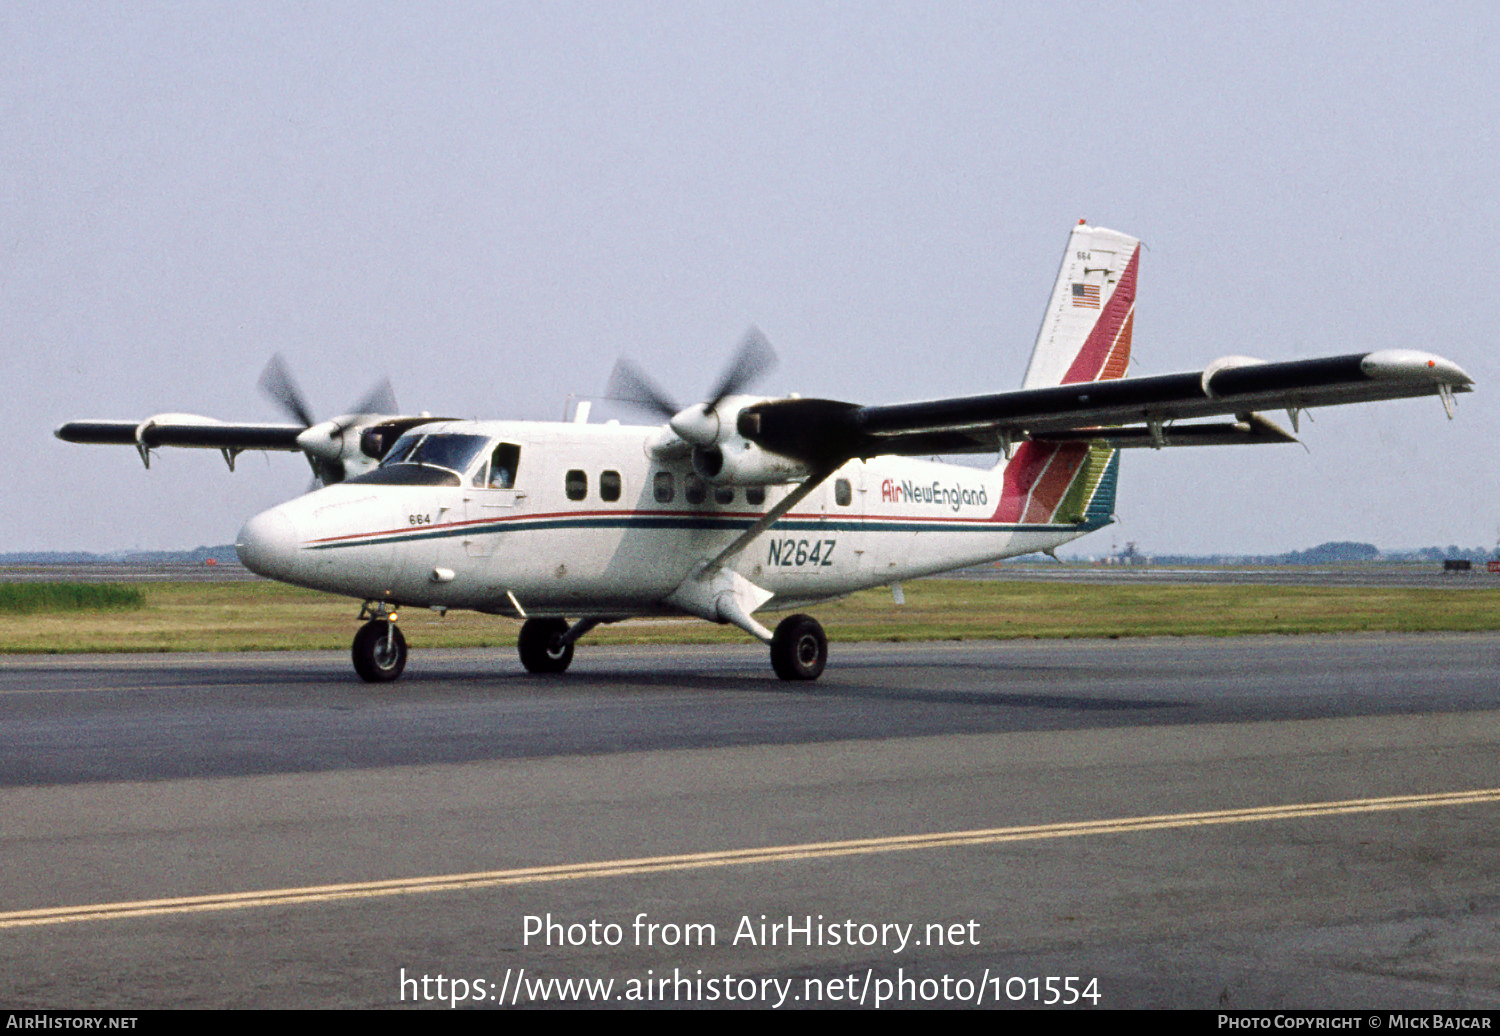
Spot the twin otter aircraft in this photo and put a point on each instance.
(744, 502)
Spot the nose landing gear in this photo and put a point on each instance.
(379, 649)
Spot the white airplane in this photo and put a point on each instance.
(745, 502)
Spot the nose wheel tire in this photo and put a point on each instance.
(799, 648)
(379, 652)
(541, 647)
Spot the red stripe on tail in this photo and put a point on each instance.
(1106, 351)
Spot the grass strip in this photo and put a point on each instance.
(260, 616)
(31, 598)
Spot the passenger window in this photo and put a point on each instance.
(609, 486)
(755, 496)
(842, 494)
(693, 489)
(577, 485)
(504, 461)
(664, 486)
(724, 495)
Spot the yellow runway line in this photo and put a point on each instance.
(728, 858)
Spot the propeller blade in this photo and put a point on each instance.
(381, 399)
(629, 384)
(754, 358)
(276, 382)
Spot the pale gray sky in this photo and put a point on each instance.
(490, 202)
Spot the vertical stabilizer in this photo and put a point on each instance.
(1085, 336)
(1085, 332)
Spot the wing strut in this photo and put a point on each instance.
(718, 594)
(770, 518)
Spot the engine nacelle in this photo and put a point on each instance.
(353, 444)
(1225, 363)
(376, 440)
(738, 462)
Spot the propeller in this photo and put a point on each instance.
(323, 442)
(752, 359)
(381, 399)
(277, 383)
(699, 422)
(629, 384)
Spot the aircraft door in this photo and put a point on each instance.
(844, 517)
(495, 493)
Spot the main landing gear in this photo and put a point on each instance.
(799, 648)
(542, 647)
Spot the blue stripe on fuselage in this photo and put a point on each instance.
(699, 522)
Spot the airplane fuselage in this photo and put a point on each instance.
(588, 521)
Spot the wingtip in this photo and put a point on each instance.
(1412, 364)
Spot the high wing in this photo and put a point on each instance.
(1121, 413)
(1075, 389)
(336, 449)
(1105, 410)
(184, 430)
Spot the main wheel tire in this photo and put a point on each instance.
(539, 645)
(379, 658)
(799, 649)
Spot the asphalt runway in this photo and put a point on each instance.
(1252, 823)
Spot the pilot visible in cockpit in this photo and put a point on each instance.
(503, 466)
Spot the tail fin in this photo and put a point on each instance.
(1085, 336)
(1085, 333)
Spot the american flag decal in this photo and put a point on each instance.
(1086, 295)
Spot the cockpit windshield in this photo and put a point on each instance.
(452, 451)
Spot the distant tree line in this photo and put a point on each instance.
(223, 555)
(1340, 552)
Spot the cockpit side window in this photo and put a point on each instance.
(505, 460)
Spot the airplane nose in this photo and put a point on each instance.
(267, 545)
